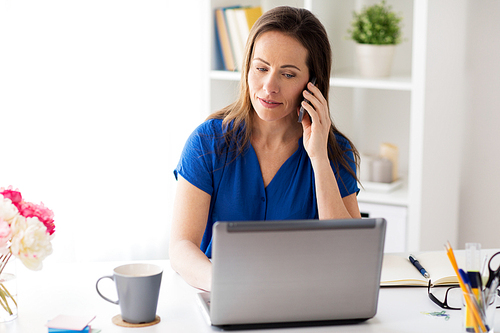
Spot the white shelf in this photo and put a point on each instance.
(225, 75)
(398, 197)
(348, 79)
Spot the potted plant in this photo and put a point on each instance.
(376, 30)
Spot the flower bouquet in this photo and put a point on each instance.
(26, 231)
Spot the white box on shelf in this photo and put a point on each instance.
(382, 187)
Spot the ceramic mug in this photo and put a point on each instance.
(138, 288)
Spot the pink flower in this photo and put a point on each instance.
(45, 215)
(25, 229)
(13, 195)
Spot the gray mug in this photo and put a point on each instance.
(138, 288)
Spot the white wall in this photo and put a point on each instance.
(443, 122)
(479, 193)
(96, 100)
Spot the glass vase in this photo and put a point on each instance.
(8, 291)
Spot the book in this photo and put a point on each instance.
(252, 15)
(397, 270)
(242, 27)
(233, 26)
(237, 45)
(224, 42)
(246, 18)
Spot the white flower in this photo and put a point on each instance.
(5, 234)
(30, 242)
(7, 210)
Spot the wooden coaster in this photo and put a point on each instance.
(117, 320)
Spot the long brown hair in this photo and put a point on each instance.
(302, 25)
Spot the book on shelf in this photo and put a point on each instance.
(397, 270)
(224, 42)
(237, 45)
(233, 26)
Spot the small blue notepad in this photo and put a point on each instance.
(87, 329)
(70, 324)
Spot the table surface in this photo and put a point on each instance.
(69, 288)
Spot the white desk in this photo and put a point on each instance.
(70, 289)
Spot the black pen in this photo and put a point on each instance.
(418, 266)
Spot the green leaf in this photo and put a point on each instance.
(376, 24)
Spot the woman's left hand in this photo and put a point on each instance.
(316, 123)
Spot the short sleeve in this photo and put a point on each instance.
(199, 157)
(346, 182)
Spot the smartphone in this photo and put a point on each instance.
(302, 110)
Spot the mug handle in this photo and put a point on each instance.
(97, 288)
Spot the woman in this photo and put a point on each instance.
(253, 160)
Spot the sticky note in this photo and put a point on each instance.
(75, 323)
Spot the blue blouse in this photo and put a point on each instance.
(236, 185)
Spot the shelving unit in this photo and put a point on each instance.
(404, 109)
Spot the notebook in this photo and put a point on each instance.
(294, 273)
(397, 270)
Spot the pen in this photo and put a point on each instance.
(418, 266)
(469, 301)
(466, 280)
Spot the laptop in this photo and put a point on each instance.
(294, 273)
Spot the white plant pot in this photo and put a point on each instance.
(375, 60)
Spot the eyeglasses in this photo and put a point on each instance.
(452, 297)
(451, 293)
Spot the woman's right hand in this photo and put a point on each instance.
(316, 123)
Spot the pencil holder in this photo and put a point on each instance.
(486, 311)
